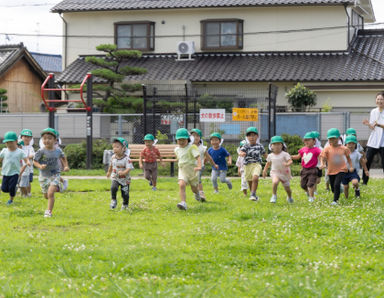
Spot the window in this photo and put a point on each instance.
(222, 34)
(135, 35)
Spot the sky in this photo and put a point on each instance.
(28, 20)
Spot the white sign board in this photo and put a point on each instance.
(212, 115)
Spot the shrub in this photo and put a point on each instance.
(300, 97)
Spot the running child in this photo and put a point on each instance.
(11, 158)
(280, 161)
(119, 168)
(335, 155)
(189, 163)
(204, 156)
(252, 152)
(240, 170)
(27, 177)
(219, 155)
(309, 159)
(357, 160)
(148, 160)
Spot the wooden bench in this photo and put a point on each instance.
(167, 152)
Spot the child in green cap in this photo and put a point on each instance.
(189, 163)
(27, 178)
(148, 160)
(11, 158)
(48, 160)
(253, 152)
(219, 155)
(280, 161)
(119, 168)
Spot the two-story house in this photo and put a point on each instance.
(237, 43)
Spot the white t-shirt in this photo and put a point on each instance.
(376, 137)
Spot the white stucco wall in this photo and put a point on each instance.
(94, 28)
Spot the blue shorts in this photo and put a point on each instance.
(348, 177)
(31, 177)
(9, 184)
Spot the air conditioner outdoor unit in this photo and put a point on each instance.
(185, 49)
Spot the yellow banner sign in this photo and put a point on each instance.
(245, 114)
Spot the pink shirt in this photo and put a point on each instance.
(309, 157)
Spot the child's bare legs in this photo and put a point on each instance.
(50, 196)
(182, 186)
(346, 190)
(24, 191)
(254, 184)
(275, 183)
(195, 189)
(311, 191)
(288, 191)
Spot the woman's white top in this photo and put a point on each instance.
(376, 139)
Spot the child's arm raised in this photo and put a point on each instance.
(266, 167)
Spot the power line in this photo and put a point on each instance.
(183, 35)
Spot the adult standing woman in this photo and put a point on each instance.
(376, 140)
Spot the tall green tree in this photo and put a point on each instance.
(115, 96)
(3, 99)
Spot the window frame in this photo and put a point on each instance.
(150, 26)
(239, 36)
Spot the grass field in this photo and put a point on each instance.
(227, 247)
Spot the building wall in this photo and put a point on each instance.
(23, 88)
(262, 28)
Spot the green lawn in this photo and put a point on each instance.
(227, 247)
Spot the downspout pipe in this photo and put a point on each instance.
(349, 25)
(65, 40)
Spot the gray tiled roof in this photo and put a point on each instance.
(88, 5)
(363, 62)
(49, 62)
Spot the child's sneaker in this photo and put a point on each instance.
(357, 193)
(290, 200)
(254, 198)
(229, 185)
(124, 207)
(154, 188)
(197, 197)
(182, 205)
(334, 203)
(113, 204)
(48, 213)
(65, 184)
(273, 199)
(10, 202)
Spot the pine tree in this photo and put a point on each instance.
(114, 96)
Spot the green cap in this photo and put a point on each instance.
(277, 139)
(215, 135)
(251, 129)
(242, 143)
(333, 133)
(309, 135)
(149, 137)
(26, 132)
(182, 133)
(316, 134)
(21, 143)
(350, 139)
(122, 141)
(10, 136)
(50, 131)
(351, 131)
(198, 131)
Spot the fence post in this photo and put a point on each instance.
(145, 107)
(319, 123)
(51, 95)
(186, 106)
(89, 121)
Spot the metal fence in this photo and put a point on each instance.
(72, 126)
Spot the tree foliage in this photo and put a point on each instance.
(301, 98)
(115, 96)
